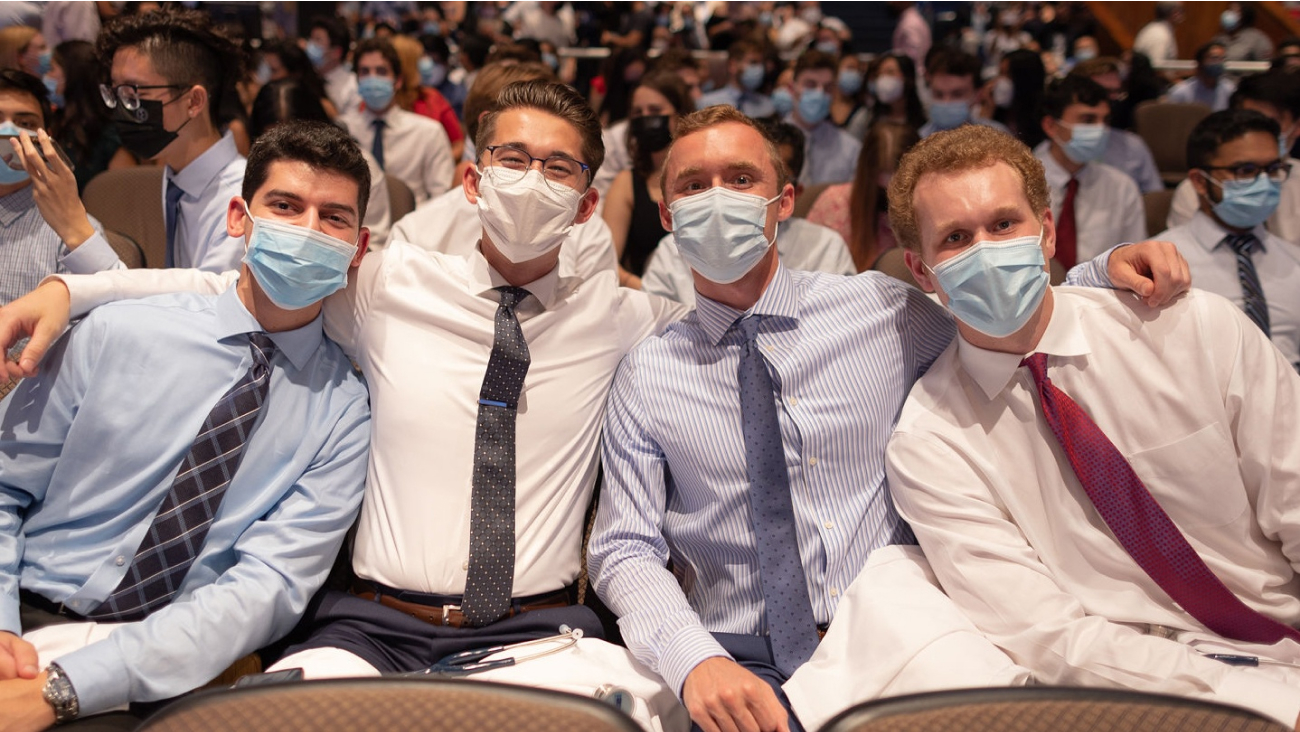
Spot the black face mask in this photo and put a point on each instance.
(651, 132)
(142, 130)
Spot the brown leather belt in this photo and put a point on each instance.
(449, 613)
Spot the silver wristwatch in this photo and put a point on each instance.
(60, 695)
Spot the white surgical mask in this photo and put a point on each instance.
(721, 233)
(523, 215)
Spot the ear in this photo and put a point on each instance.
(785, 206)
(587, 206)
(665, 216)
(1046, 124)
(918, 270)
(1049, 235)
(363, 246)
(469, 182)
(198, 101)
(1197, 177)
(237, 221)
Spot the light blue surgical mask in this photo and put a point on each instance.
(44, 61)
(783, 101)
(751, 77)
(995, 286)
(1087, 142)
(720, 232)
(376, 91)
(949, 115)
(315, 53)
(8, 158)
(432, 73)
(814, 105)
(264, 73)
(1246, 204)
(52, 90)
(297, 266)
(551, 60)
(850, 82)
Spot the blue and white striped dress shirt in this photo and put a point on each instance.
(30, 250)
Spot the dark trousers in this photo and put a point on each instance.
(394, 642)
(754, 653)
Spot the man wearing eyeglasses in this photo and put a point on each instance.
(168, 73)
(1238, 175)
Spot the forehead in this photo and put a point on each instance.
(14, 103)
(814, 75)
(951, 81)
(542, 133)
(1263, 108)
(373, 59)
(1078, 109)
(1252, 147)
(966, 196)
(720, 147)
(313, 185)
(644, 95)
(131, 66)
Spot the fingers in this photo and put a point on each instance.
(31, 159)
(18, 659)
(1169, 273)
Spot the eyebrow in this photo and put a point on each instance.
(1007, 212)
(738, 167)
(278, 193)
(526, 148)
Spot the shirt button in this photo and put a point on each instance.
(465, 566)
(835, 592)
(120, 561)
(769, 348)
(812, 461)
(793, 401)
(829, 524)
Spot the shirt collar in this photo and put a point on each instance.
(298, 345)
(992, 370)
(1210, 235)
(484, 279)
(779, 300)
(198, 174)
(15, 205)
(1056, 174)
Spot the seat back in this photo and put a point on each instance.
(129, 201)
(1157, 204)
(1047, 709)
(126, 248)
(389, 704)
(1165, 127)
(401, 200)
(891, 263)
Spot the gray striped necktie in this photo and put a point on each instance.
(1243, 245)
(182, 521)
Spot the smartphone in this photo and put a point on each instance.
(11, 159)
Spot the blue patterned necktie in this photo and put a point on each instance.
(791, 626)
(173, 214)
(1243, 245)
(490, 579)
(377, 146)
(182, 521)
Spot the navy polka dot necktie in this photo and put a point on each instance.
(187, 511)
(490, 579)
(1141, 526)
(792, 628)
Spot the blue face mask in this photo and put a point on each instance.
(850, 82)
(1087, 142)
(949, 115)
(52, 90)
(43, 63)
(264, 73)
(376, 91)
(1213, 70)
(1246, 205)
(431, 27)
(551, 60)
(296, 266)
(8, 175)
(783, 101)
(995, 286)
(315, 53)
(751, 77)
(720, 232)
(814, 105)
(432, 74)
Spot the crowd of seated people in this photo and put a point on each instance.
(776, 372)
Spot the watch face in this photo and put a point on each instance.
(60, 695)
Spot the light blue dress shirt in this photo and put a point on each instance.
(1192, 91)
(844, 353)
(830, 153)
(1130, 153)
(89, 449)
(753, 104)
(208, 183)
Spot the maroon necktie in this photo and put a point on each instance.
(1066, 237)
(1141, 526)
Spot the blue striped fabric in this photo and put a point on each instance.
(29, 248)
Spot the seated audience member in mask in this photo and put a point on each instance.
(747, 72)
(891, 91)
(632, 207)
(1238, 174)
(953, 78)
(1094, 205)
(1207, 86)
(226, 425)
(33, 248)
(829, 152)
(1108, 491)
(1124, 149)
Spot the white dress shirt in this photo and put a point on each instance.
(1284, 223)
(801, 244)
(1107, 207)
(1202, 407)
(449, 224)
(341, 88)
(416, 149)
(1156, 41)
(207, 184)
(1213, 265)
(379, 209)
(617, 158)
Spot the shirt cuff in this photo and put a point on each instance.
(1263, 695)
(688, 649)
(98, 675)
(85, 292)
(94, 255)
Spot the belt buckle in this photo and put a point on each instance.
(1162, 631)
(446, 613)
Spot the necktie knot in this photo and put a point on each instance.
(263, 349)
(749, 327)
(1037, 364)
(1242, 243)
(512, 296)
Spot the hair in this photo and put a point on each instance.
(671, 86)
(491, 79)
(814, 60)
(513, 53)
(297, 65)
(336, 29)
(1096, 67)
(1223, 127)
(1288, 42)
(1247, 11)
(1027, 74)
(915, 110)
(555, 99)
(14, 41)
(968, 147)
(408, 51)
(84, 117)
(283, 100)
(1166, 10)
(476, 48)
(885, 143)
(321, 145)
(674, 60)
(183, 47)
(784, 133)
(15, 80)
(1073, 89)
(435, 46)
(953, 62)
(1205, 50)
(719, 114)
(383, 47)
(1278, 88)
(738, 50)
(618, 93)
